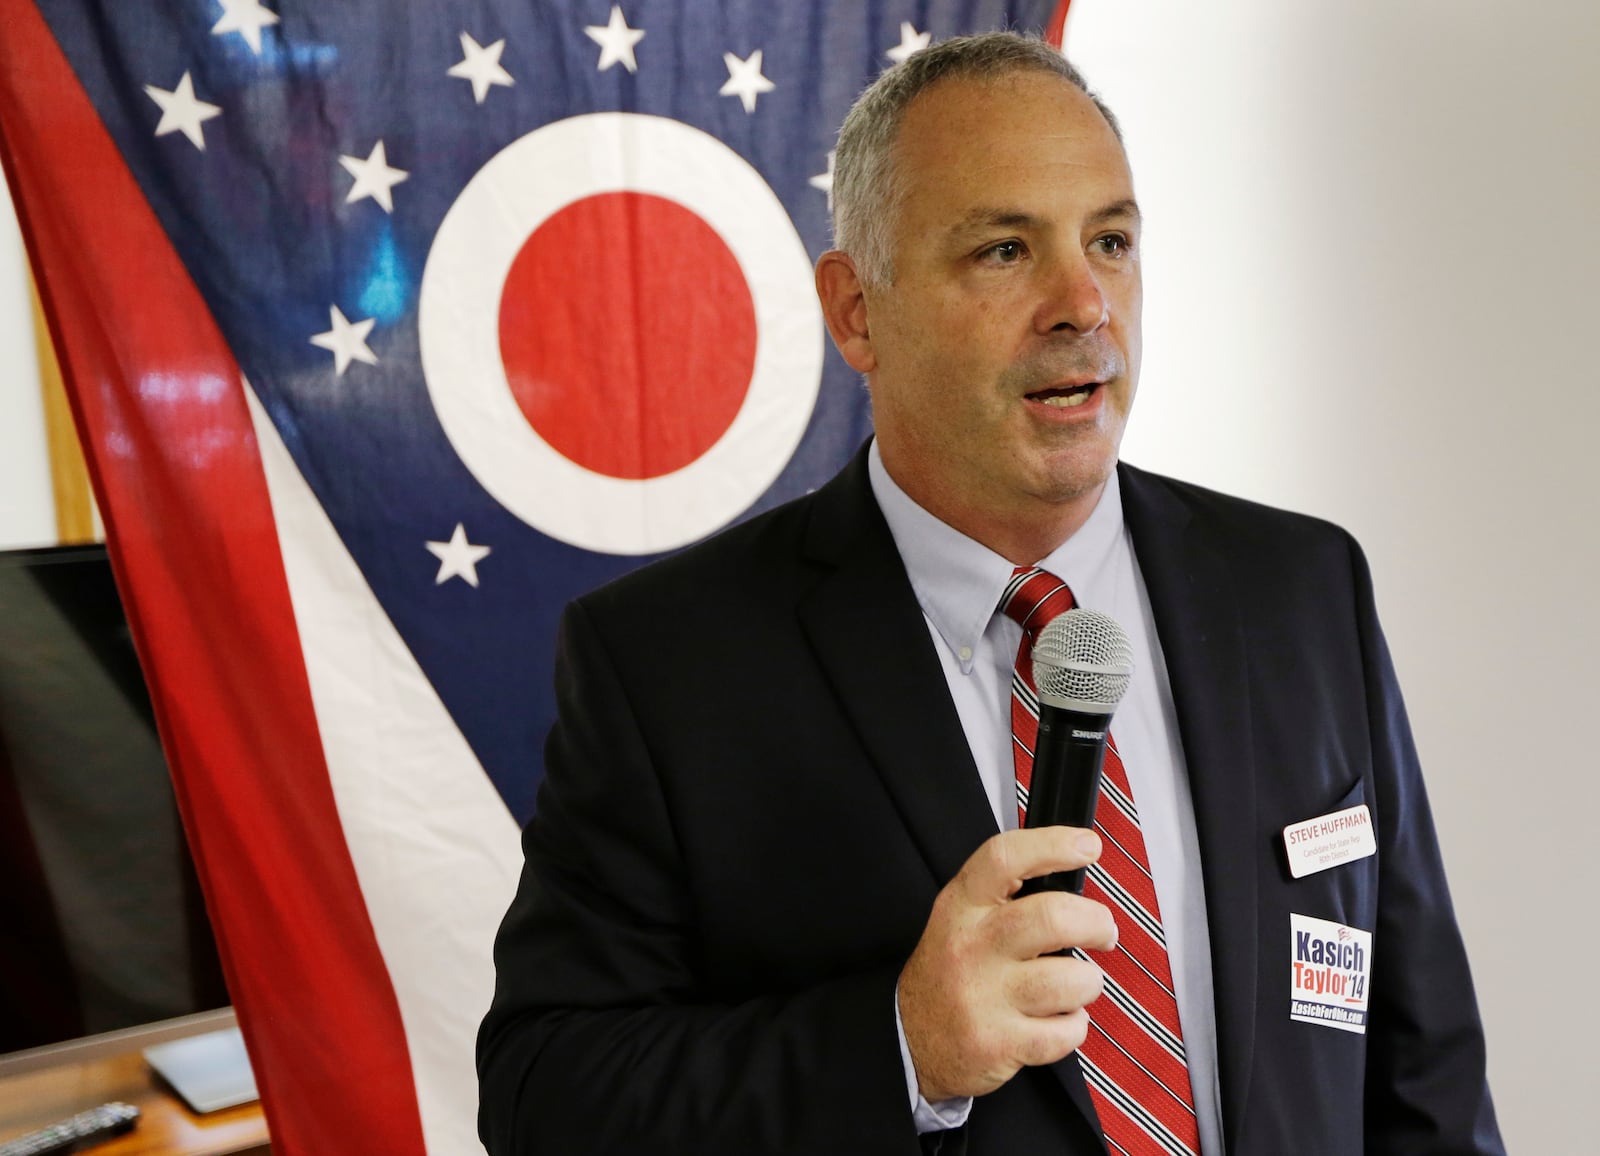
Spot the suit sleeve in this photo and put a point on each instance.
(1426, 1088)
(603, 1036)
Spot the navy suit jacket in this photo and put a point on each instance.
(758, 783)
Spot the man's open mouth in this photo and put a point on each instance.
(1065, 397)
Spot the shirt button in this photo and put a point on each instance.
(965, 654)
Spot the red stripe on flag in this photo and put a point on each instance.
(195, 551)
(1056, 30)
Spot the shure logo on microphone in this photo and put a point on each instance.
(1089, 734)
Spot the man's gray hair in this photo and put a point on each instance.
(866, 193)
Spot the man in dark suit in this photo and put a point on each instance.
(770, 902)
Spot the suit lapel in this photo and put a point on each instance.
(1198, 622)
(866, 628)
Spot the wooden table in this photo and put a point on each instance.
(166, 1126)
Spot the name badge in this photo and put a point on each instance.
(1330, 966)
(1329, 840)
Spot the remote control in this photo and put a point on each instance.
(100, 1123)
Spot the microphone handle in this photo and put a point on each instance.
(1067, 757)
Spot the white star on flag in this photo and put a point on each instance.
(824, 181)
(745, 80)
(345, 341)
(458, 558)
(247, 18)
(374, 177)
(181, 112)
(481, 65)
(616, 41)
(910, 41)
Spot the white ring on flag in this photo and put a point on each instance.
(515, 192)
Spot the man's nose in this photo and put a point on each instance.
(1072, 298)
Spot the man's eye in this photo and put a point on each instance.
(1114, 245)
(1005, 253)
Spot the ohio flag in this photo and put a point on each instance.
(389, 328)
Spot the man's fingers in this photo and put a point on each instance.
(1046, 1039)
(1054, 985)
(1050, 921)
(997, 869)
(975, 1000)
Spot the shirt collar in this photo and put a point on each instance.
(958, 581)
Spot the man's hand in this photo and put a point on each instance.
(982, 996)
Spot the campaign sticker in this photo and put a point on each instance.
(1331, 966)
(1329, 840)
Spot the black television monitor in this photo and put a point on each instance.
(104, 940)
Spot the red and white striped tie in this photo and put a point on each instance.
(1133, 1058)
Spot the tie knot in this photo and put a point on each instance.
(1033, 597)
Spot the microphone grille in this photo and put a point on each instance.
(1082, 660)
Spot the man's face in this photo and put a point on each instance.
(1005, 353)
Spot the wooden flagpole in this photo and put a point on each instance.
(69, 476)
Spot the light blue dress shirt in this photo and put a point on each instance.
(958, 583)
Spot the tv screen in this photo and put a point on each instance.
(101, 922)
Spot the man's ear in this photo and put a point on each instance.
(844, 308)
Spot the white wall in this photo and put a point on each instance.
(1370, 266)
(27, 508)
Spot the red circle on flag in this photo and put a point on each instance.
(628, 334)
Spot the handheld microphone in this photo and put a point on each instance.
(1082, 664)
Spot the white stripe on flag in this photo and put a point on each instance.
(435, 849)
